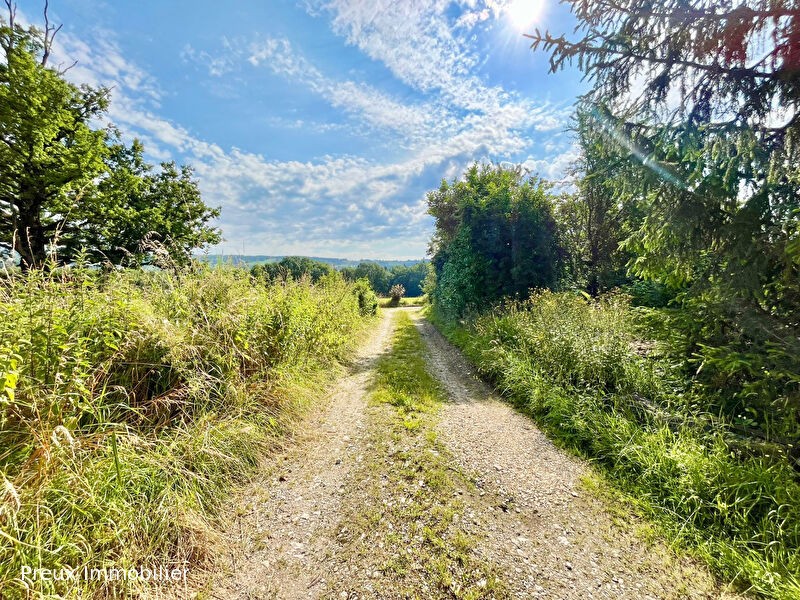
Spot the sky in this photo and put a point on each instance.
(318, 126)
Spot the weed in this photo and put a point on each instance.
(414, 537)
(131, 402)
(574, 366)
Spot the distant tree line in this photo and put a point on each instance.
(70, 187)
(380, 278)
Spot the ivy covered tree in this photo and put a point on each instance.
(701, 99)
(69, 186)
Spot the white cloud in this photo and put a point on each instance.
(555, 169)
(218, 65)
(344, 205)
(365, 101)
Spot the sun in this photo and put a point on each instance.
(523, 13)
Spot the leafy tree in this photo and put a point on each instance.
(376, 274)
(134, 206)
(410, 277)
(718, 168)
(68, 187)
(495, 236)
(50, 152)
(295, 267)
(367, 301)
(382, 279)
(594, 221)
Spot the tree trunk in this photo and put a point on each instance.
(30, 239)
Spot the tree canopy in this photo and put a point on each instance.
(382, 279)
(495, 236)
(68, 185)
(702, 101)
(691, 129)
(295, 267)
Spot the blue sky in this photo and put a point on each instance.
(318, 125)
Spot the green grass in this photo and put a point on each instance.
(131, 403)
(573, 366)
(408, 527)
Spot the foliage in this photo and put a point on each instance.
(134, 205)
(382, 279)
(377, 275)
(68, 187)
(713, 174)
(295, 267)
(50, 151)
(495, 236)
(367, 300)
(406, 524)
(148, 393)
(397, 292)
(404, 301)
(409, 277)
(595, 220)
(576, 367)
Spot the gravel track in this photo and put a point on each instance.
(551, 537)
(533, 517)
(282, 541)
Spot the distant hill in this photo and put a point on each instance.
(259, 259)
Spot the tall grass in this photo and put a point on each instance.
(131, 402)
(578, 368)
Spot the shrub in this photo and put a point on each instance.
(397, 292)
(367, 300)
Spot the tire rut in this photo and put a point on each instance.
(283, 535)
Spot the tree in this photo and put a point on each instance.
(396, 294)
(135, 206)
(50, 153)
(410, 277)
(67, 187)
(595, 220)
(295, 267)
(376, 274)
(702, 101)
(716, 165)
(495, 236)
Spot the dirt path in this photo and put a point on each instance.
(280, 539)
(309, 527)
(552, 538)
